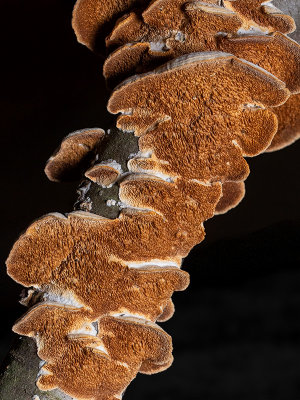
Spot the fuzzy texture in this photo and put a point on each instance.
(102, 174)
(261, 14)
(87, 257)
(197, 27)
(276, 53)
(232, 194)
(94, 18)
(211, 128)
(288, 123)
(107, 269)
(100, 374)
(82, 260)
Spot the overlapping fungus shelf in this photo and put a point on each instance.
(204, 85)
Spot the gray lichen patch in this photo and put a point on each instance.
(118, 146)
(101, 201)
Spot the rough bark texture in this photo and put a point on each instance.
(19, 370)
(93, 198)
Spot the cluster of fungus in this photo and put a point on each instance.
(202, 85)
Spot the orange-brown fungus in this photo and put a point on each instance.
(288, 123)
(94, 18)
(103, 283)
(130, 59)
(74, 154)
(256, 13)
(172, 23)
(105, 356)
(102, 174)
(168, 312)
(129, 264)
(199, 30)
(276, 53)
(213, 112)
(197, 27)
(232, 194)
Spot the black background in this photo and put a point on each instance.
(236, 328)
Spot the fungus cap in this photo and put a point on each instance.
(94, 18)
(256, 13)
(288, 124)
(232, 194)
(76, 151)
(136, 257)
(204, 95)
(103, 174)
(203, 28)
(86, 364)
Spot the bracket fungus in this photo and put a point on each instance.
(145, 42)
(288, 123)
(94, 18)
(222, 113)
(176, 27)
(103, 174)
(232, 194)
(262, 14)
(101, 355)
(76, 152)
(230, 82)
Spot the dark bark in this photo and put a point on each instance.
(117, 146)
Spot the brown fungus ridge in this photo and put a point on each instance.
(133, 58)
(232, 194)
(76, 152)
(126, 265)
(173, 20)
(276, 53)
(256, 13)
(52, 323)
(281, 56)
(140, 52)
(90, 365)
(93, 19)
(135, 188)
(214, 111)
(288, 124)
(146, 338)
(168, 312)
(103, 174)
